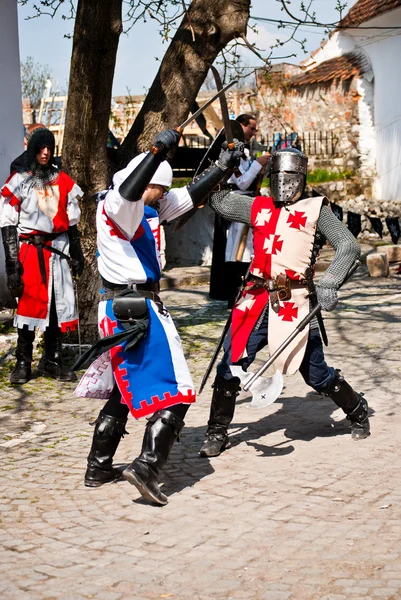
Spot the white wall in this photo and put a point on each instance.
(11, 127)
(381, 136)
(384, 50)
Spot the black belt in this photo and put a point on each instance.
(39, 241)
(113, 289)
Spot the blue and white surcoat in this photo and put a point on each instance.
(154, 375)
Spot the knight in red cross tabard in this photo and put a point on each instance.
(289, 229)
(39, 213)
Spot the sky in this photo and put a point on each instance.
(139, 49)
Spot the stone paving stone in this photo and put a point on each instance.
(295, 507)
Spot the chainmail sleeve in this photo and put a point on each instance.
(232, 206)
(346, 248)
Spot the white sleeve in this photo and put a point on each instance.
(244, 181)
(125, 214)
(10, 200)
(175, 203)
(73, 210)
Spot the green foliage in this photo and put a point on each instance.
(322, 175)
(6, 327)
(317, 176)
(180, 181)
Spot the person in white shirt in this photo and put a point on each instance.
(226, 281)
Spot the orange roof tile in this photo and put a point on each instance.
(342, 67)
(364, 10)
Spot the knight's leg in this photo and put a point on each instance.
(51, 363)
(226, 389)
(22, 370)
(327, 380)
(109, 429)
(162, 430)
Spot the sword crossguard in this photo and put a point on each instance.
(157, 148)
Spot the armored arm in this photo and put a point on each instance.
(14, 268)
(347, 251)
(133, 187)
(231, 206)
(204, 183)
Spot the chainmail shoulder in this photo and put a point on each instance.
(232, 206)
(346, 248)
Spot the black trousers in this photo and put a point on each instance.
(314, 369)
(51, 337)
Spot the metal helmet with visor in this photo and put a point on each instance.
(288, 175)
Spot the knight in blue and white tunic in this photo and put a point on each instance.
(151, 378)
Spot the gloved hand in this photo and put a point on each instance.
(14, 268)
(14, 282)
(229, 159)
(76, 254)
(327, 297)
(168, 138)
(77, 267)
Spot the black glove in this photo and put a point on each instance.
(167, 139)
(230, 159)
(15, 283)
(77, 257)
(14, 268)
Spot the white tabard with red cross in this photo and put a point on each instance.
(283, 243)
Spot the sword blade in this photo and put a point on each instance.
(215, 353)
(224, 109)
(315, 310)
(208, 103)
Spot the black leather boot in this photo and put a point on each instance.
(106, 437)
(360, 427)
(353, 404)
(22, 371)
(51, 364)
(161, 431)
(221, 414)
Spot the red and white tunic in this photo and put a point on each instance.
(39, 212)
(283, 243)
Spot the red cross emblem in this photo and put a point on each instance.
(288, 312)
(297, 219)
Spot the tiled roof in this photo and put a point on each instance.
(364, 10)
(342, 67)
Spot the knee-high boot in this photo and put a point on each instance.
(353, 404)
(51, 364)
(161, 431)
(222, 410)
(22, 370)
(106, 437)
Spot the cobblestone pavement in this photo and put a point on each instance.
(294, 510)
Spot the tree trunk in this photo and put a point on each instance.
(184, 69)
(96, 34)
(181, 74)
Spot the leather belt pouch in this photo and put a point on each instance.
(129, 306)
